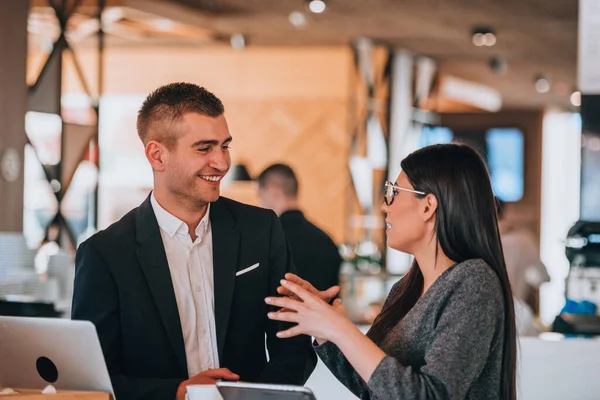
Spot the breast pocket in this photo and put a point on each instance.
(247, 270)
(251, 286)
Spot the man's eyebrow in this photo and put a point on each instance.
(210, 142)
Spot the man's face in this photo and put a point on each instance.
(199, 160)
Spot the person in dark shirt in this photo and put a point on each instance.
(315, 255)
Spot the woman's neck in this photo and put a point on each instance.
(431, 266)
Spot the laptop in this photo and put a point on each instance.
(259, 391)
(36, 352)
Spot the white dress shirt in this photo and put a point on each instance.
(191, 267)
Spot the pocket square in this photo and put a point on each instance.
(245, 270)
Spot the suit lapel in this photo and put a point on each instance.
(153, 260)
(225, 258)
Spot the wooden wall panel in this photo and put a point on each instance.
(253, 74)
(13, 105)
(311, 137)
(282, 105)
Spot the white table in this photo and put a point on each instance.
(548, 370)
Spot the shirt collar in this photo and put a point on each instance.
(173, 225)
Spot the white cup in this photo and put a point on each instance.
(203, 392)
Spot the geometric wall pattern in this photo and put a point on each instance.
(77, 149)
(368, 156)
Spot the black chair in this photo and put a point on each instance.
(28, 309)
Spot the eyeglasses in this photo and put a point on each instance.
(391, 190)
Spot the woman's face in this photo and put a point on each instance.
(405, 227)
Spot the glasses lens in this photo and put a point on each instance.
(388, 194)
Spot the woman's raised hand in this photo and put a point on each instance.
(325, 295)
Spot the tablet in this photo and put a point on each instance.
(263, 391)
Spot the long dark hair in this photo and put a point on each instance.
(466, 227)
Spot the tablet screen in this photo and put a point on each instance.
(259, 391)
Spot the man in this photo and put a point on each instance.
(176, 288)
(526, 272)
(315, 255)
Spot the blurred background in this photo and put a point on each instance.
(340, 90)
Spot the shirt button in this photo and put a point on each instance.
(197, 288)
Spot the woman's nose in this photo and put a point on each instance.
(384, 207)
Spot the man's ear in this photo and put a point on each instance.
(429, 207)
(155, 153)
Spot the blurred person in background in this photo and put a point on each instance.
(447, 328)
(316, 256)
(176, 288)
(526, 271)
(47, 249)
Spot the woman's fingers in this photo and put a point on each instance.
(284, 310)
(301, 282)
(297, 280)
(299, 291)
(339, 307)
(284, 316)
(284, 302)
(288, 333)
(324, 295)
(330, 293)
(285, 292)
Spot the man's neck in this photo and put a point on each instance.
(190, 214)
(288, 205)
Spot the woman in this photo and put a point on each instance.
(447, 329)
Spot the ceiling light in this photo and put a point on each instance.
(238, 41)
(298, 19)
(542, 84)
(490, 39)
(163, 24)
(576, 99)
(478, 39)
(483, 36)
(317, 6)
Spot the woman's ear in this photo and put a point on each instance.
(155, 153)
(429, 207)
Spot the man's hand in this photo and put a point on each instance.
(325, 295)
(208, 377)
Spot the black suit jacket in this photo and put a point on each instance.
(123, 285)
(316, 256)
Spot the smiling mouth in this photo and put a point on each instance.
(211, 178)
(388, 225)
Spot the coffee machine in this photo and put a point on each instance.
(583, 252)
(582, 248)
